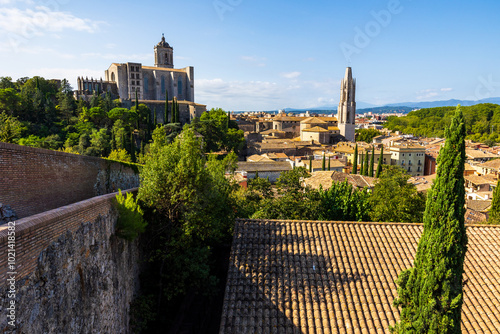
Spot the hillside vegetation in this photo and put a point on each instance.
(482, 122)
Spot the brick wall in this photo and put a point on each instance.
(35, 233)
(34, 180)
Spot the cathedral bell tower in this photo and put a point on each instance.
(347, 106)
(164, 54)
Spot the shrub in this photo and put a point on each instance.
(130, 221)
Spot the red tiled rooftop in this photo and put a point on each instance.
(338, 277)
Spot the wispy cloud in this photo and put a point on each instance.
(117, 57)
(432, 93)
(39, 20)
(291, 75)
(263, 95)
(256, 61)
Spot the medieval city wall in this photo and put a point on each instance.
(70, 273)
(34, 180)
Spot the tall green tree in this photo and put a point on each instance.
(380, 162)
(430, 293)
(494, 214)
(361, 164)
(310, 164)
(366, 163)
(393, 199)
(329, 158)
(323, 165)
(372, 163)
(355, 162)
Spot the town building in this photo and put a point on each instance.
(409, 157)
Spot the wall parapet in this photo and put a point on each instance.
(35, 233)
(34, 180)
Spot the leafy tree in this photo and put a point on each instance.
(10, 101)
(367, 135)
(187, 203)
(120, 155)
(394, 199)
(342, 202)
(355, 161)
(366, 163)
(99, 143)
(165, 117)
(430, 293)
(10, 128)
(130, 222)
(494, 213)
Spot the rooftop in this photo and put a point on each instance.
(338, 277)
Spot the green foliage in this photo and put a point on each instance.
(120, 155)
(394, 199)
(342, 202)
(355, 161)
(494, 213)
(219, 133)
(380, 163)
(10, 128)
(142, 312)
(482, 122)
(372, 163)
(189, 204)
(430, 293)
(323, 164)
(130, 222)
(367, 135)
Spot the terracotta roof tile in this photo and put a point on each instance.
(338, 277)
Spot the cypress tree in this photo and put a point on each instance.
(136, 102)
(165, 117)
(132, 147)
(155, 123)
(366, 162)
(256, 174)
(380, 162)
(310, 164)
(494, 214)
(323, 166)
(430, 293)
(329, 158)
(361, 164)
(372, 163)
(355, 163)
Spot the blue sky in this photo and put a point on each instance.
(266, 55)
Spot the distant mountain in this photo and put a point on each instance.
(385, 110)
(447, 103)
(359, 105)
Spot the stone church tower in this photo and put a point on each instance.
(347, 106)
(164, 54)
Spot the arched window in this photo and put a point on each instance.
(113, 77)
(146, 86)
(179, 88)
(162, 84)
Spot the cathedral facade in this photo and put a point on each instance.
(150, 83)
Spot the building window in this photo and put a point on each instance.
(402, 162)
(146, 84)
(163, 84)
(409, 169)
(179, 87)
(113, 77)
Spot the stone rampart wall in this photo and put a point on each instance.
(34, 180)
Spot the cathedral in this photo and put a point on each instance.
(150, 83)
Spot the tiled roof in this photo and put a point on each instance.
(315, 129)
(494, 164)
(478, 205)
(313, 120)
(477, 154)
(264, 166)
(484, 179)
(338, 277)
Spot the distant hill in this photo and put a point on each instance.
(446, 103)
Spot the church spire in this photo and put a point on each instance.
(347, 105)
